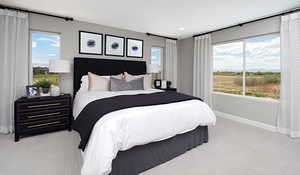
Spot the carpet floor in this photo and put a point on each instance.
(233, 149)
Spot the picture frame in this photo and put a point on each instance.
(114, 45)
(134, 48)
(157, 83)
(32, 91)
(90, 43)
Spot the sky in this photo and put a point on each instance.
(156, 56)
(44, 47)
(262, 54)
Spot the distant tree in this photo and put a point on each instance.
(40, 70)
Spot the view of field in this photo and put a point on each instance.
(258, 84)
(52, 77)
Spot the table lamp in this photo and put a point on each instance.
(59, 67)
(154, 69)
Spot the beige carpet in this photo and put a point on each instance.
(233, 149)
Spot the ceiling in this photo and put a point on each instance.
(162, 17)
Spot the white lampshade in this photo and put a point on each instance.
(153, 68)
(59, 66)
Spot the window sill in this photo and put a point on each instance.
(258, 99)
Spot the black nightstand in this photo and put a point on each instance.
(42, 114)
(168, 89)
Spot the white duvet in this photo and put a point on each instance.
(123, 129)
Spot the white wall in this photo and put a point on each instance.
(70, 40)
(251, 108)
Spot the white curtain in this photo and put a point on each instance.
(203, 65)
(14, 63)
(171, 62)
(289, 119)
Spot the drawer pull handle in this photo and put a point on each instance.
(43, 115)
(44, 124)
(46, 105)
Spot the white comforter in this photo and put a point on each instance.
(123, 129)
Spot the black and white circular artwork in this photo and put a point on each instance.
(114, 45)
(135, 48)
(90, 43)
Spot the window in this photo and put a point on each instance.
(156, 55)
(249, 67)
(157, 58)
(44, 47)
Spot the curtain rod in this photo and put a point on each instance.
(35, 12)
(241, 24)
(150, 34)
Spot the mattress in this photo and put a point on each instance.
(123, 130)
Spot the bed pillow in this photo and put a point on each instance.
(84, 86)
(147, 79)
(98, 83)
(123, 85)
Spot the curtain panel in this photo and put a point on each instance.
(289, 119)
(203, 65)
(14, 63)
(171, 62)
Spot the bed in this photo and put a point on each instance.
(140, 151)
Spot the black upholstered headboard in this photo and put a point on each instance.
(104, 67)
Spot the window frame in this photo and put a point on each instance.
(244, 40)
(31, 31)
(161, 60)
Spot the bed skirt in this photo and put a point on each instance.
(144, 157)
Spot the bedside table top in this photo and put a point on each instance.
(168, 89)
(25, 99)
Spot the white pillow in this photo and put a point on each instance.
(98, 83)
(84, 86)
(147, 79)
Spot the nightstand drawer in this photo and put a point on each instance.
(24, 127)
(42, 105)
(44, 114)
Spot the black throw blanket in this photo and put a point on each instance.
(92, 112)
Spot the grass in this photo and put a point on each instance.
(51, 77)
(260, 84)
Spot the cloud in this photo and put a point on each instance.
(51, 54)
(262, 54)
(54, 43)
(34, 44)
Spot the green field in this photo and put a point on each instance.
(258, 84)
(52, 77)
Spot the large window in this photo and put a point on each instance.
(249, 67)
(44, 46)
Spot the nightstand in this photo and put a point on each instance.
(42, 114)
(169, 89)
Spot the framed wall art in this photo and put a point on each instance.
(135, 48)
(90, 43)
(114, 45)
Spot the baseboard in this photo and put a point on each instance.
(295, 134)
(246, 121)
(4, 130)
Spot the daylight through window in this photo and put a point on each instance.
(157, 58)
(156, 55)
(250, 67)
(44, 47)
